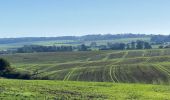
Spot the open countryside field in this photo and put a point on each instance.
(84, 50)
(133, 66)
(70, 90)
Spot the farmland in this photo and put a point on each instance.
(126, 66)
(94, 75)
(84, 50)
(71, 90)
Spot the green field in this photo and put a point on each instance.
(133, 66)
(90, 75)
(70, 90)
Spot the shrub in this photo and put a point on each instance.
(17, 75)
(8, 72)
(4, 64)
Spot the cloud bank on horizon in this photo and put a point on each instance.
(30, 18)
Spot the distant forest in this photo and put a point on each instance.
(92, 43)
(110, 46)
(160, 38)
(78, 38)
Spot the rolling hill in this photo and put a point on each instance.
(133, 66)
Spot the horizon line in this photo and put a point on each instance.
(83, 35)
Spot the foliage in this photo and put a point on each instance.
(8, 72)
(4, 64)
(38, 48)
(160, 38)
(82, 47)
(110, 46)
(116, 46)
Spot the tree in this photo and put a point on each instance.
(102, 47)
(116, 46)
(147, 45)
(122, 46)
(4, 65)
(140, 44)
(109, 45)
(161, 47)
(127, 46)
(83, 47)
(93, 44)
(7, 72)
(132, 45)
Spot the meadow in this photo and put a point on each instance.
(71, 90)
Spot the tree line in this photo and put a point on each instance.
(139, 44)
(160, 38)
(39, 48)
(109, 46)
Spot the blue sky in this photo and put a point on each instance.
(23, 18)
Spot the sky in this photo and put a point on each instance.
(37, 18)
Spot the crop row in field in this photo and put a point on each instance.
(133, 66)
(157, 73)
(62, 57)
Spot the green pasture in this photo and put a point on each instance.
(71, 90)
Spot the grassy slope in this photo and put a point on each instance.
(31, 90)
(134, 66)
